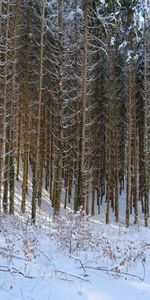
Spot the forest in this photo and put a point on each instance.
(75, 105)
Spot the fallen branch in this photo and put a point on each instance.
(115, 271)
(14, 271)
(72, 275)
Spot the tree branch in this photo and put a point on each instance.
(15, 271)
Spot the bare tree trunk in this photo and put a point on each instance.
(38, 154)
(147, 114)
(58, 165)
(128, 195)
(26, 114)
(12, 110)
(5, 106)
(84, 102)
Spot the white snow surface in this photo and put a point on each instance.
(73, 257)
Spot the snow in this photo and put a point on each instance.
(123, 45)
(72, 257)
(39, 252)
(112, 42)
(79, 11)
(118, 2)
(102, 1)
(129, 56)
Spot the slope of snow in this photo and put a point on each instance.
(72, 257)
(37, 262)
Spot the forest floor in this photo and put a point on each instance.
(72, 257)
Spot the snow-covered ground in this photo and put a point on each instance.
(72, 257)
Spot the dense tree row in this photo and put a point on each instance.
(75, 104)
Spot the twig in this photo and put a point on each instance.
(127, 274)
(142, 256)
(9, 250)
(45, 255)
(78, 259)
